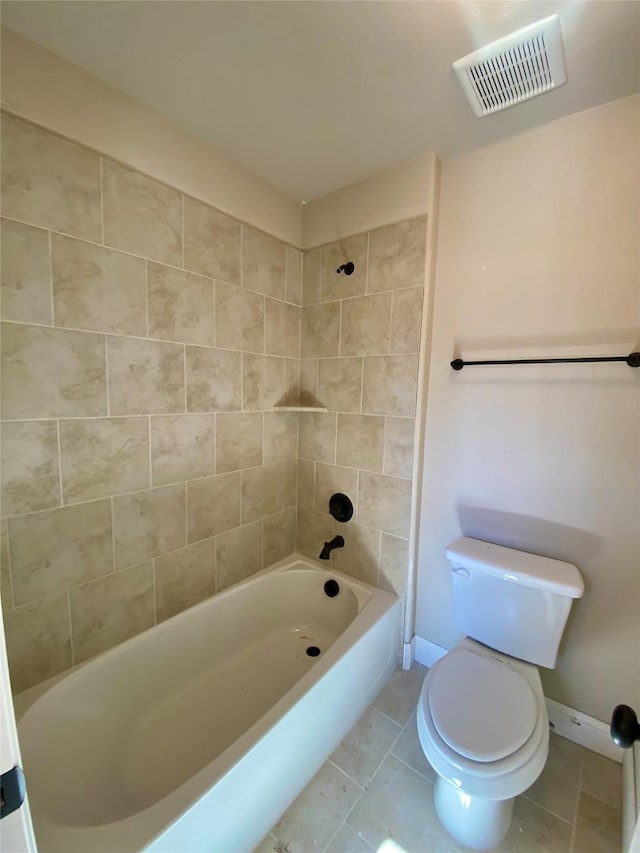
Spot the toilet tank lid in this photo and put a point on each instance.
(518, 566)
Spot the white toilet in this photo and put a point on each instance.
(482, 718)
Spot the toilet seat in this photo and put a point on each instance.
(498, 699)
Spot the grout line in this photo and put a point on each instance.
(146, 293)
(106, 377)
(101, 200)
(113, 537)
(384, 445)
(51, 296)
(184, 376)
(182, 225)
(344, 772)
(150, 457)
(184, 494)
(59, 463)
(413, 769)
(360, 410)
(155, 601)
(70, 621)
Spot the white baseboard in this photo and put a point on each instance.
(409, 653)
(427, 653)
(582, 729)
(564, 721)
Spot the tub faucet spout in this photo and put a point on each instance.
(336, 542)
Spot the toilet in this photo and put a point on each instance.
(482, 718)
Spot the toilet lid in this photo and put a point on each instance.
(482, 709)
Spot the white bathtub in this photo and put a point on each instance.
(197, 734)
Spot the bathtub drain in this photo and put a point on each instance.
(313, 651)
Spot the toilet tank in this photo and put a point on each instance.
(513, 601)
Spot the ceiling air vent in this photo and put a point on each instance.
(515, 68)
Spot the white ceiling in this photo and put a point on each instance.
(312, 96)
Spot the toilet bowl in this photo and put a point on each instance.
(483, 725)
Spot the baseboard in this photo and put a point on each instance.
(582, 729)
(564, 721)
(426, 652)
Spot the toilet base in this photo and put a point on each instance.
(472, 820)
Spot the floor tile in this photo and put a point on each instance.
(269, 844)
(347, 840)
(557, 787)
(398, 805)
(408, 749)
(602, 778)
(598, 827)
(313, 818)
(362, 750)
(534, 830)
(400, 695)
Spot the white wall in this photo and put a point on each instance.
(538, 254)
(40, 86)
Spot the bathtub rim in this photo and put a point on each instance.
(25, 699)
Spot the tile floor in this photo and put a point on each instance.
(378, 785)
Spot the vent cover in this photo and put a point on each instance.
(515, 68)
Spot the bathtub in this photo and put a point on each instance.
(197, 734)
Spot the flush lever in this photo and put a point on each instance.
(461, 572)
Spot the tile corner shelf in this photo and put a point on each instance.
(299, 407)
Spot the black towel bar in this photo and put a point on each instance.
(633, 360)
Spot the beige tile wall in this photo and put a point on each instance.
(360, 345)
(146, 338)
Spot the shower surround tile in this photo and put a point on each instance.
(406, 320)
(397, 255)
(390, 385)
(108, 611)
(38, 641)
(145, 377)
(180, 305)
(341, 286)
(340, 384)
(263, 263)
(25, 274)
(293, 276)
(398, 447)
(184, 578)
(141, 215)
(52, 373)
(365, 325)
(97, 289)
(278, 535)
(321, 330)
(49, 181)
(148, 524)
(183, 447)
(261, 492)
(239, 441)
(211, 242)
(30, 476)
(361, 441)
(239, 319)
(359, 557)
(282, 329)
(384, 503)
(318, 436)
(214, 380)
(213, 505)
(60, 548)
(280, 436)
(238, 554)
(104, 456)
